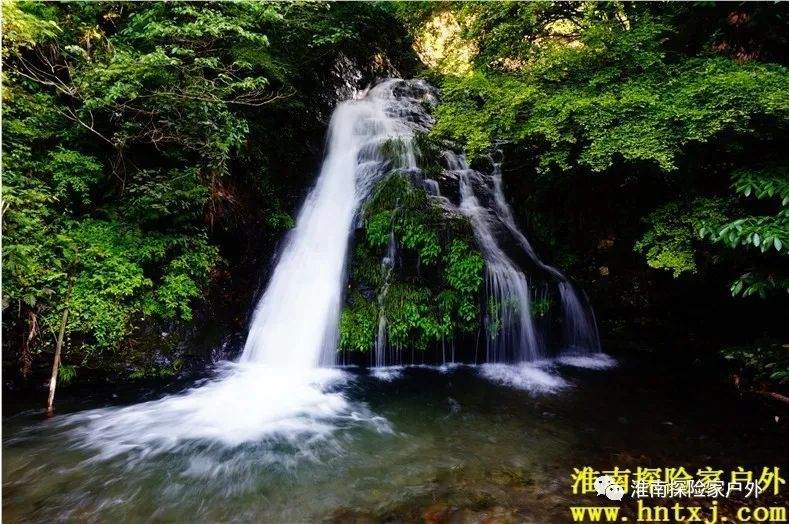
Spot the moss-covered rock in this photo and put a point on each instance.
(431, 290)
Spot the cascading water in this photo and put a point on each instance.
(579, 326)
(278, 390)
(387, 265)
(304, 294)
(512, 333)
(512, 336)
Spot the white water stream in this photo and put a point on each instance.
(295, 323)
(279, 388)
(512, 335)
(283, 386)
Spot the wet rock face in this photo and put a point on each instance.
(346, 79)
(349, 74)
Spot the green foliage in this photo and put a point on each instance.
(281, 221)
(463, 272)
(66, 374)
(358, 324)
(412, 317)
(591, 125)
(509, 304)
(637, 91)
(674, 228)
(127, 236)
(464, 267)
(24, 28)
(541, 306)
(764, 232)
(379, 229)
(157, 372)
(128, 130)
(419, 238)
(763, 183)
(479, 109)
(433, 295)
(758, 283)
(397, 206)
(767, 233)
(176, 196)
(768, 363)
(73, 174)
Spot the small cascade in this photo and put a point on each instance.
(513, 332)
(432, 187)
(387, 265)
(512, 336)
(580, 333)
(527, 316)
(579, 325)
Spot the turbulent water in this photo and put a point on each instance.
(454, 440)
(300, 309)
(512, 332)
(283, 402)
(283, 388)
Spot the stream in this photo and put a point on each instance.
(459, 444)
(285, 435)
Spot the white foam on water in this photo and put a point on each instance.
(592, 361)
(449, 366)
(539, 376)
(527, 376)
(542, 376)
(245, 403)
(387, 373)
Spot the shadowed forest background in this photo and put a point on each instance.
(154, 155)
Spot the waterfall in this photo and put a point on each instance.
(295, 322)
(278, 392)
(387, 265)
(512, 336)
(579, 325)
(512, 333)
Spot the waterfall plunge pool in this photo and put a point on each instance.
(454, 444)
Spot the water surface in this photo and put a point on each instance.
(456, 444)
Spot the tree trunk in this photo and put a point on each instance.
(26, 356)
(53, 381)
